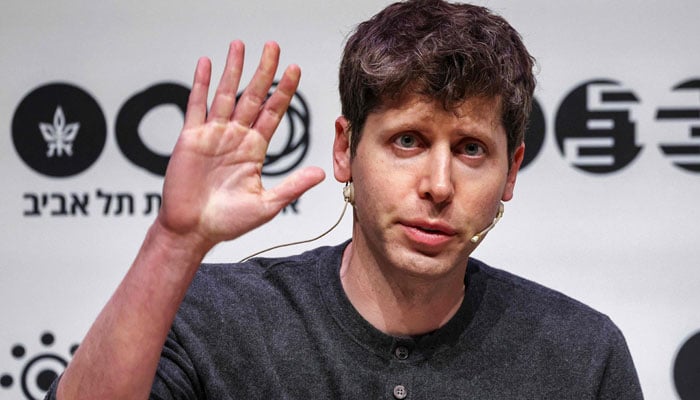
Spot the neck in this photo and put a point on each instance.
(397, 304)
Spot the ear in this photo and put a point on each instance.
(341, 150)
(513, 172)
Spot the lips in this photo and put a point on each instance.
(428, 234)
(435, 228)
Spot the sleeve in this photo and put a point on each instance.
(619, 380)
(51, 393)
(176, 377)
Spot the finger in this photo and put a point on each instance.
(197, 102)
(293, 186)
(276, 106)
(255, 94)
(225, 96)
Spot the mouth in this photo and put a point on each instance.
(432, 228)
(428, 234)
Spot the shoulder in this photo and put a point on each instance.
(248, 298)
(548, 331)
(545, 310)
(519, 288)
(260, 266)
(261, 276)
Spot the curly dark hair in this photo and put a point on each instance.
(444, 51)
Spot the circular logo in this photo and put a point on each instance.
(40, 371)
(534, 134)
(59, 130)
(686, 369)
(132, 113)
(594, 128)
(684, 153)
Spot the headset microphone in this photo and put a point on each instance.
(476, 238)
(348, 196)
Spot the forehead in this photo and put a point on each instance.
(474, 113)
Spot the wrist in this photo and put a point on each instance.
(184, 245)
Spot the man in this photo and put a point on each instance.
(435, 99)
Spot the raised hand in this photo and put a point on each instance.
(213, 189)
(213, 192)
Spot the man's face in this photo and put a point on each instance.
(426, 180)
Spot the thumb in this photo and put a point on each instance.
(293, 186)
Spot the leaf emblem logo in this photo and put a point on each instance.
(59, 136)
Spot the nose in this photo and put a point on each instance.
(436, 183)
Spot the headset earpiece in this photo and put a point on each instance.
(349, 193)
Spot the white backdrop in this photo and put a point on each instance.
(623, 242)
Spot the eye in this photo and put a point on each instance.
(406, 141)
(473, 149)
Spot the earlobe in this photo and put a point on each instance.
(341, 150)
(518, 156)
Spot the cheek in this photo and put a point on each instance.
(479, 195)
(379, 190)
(371, 195)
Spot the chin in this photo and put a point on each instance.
(427, 265)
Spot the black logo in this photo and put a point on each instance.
(593, 127)
(39, 370)
(59, 130)
(684, 153)
(686, 369)
(534, 134)
(130, 116)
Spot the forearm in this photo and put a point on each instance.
(119, 356)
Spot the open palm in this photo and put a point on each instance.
(213, 189)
